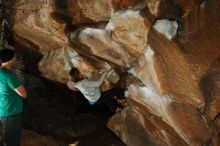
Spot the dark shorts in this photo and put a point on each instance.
(107, 97)
(10, 130)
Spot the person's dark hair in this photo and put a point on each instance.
(75, 75)
(6, 55)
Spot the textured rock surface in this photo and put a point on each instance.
(84, 12)
(174, 96)
(121, 41)
(34, 139)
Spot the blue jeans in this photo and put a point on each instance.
(10, 130)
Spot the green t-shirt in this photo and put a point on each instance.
(10, 102)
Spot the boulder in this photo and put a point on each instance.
(34, 139)
(120, 41)
(173, 82)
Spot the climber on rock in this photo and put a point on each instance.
(92, 92)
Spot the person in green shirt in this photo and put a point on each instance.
(11, 103)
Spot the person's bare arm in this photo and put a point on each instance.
(21, 91)
(96, 83)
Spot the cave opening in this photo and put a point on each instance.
(53, 110)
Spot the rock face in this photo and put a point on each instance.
(119, 41)
(31, 138)
(174, 96)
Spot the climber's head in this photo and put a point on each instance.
(7, 57)
(75, 75)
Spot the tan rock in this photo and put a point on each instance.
(52, 66)
(157, 7)
(138, 127)
(30, 138)
(136, 120)
(83, 11)
(37, 15)
(120, 42)
(180, 76)
(173, 113)
(44, 33)
(167, 103)
(187, 6)
(97, 10)
(211, 88)
(161, 99)
(123, 28)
